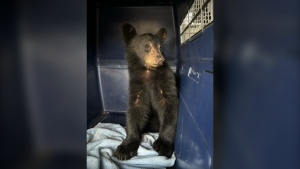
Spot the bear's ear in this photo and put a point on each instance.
(128, 32)
(162, 34)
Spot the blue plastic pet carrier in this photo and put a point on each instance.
(188, 50)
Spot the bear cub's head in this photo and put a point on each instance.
(146, 46)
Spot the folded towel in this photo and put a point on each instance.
(103, 140)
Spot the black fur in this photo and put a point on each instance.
(153, 100)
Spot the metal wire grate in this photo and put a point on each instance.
(198, 17)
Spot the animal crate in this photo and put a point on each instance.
(188, 49)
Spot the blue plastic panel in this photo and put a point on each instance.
(194, 137)
(114, 88)
(194, 130)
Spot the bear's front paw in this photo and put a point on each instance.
(163, 148)
(126, 152)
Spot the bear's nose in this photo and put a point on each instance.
(160, 60)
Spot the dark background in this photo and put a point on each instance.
(256, 77)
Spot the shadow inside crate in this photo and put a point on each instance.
(108, 117)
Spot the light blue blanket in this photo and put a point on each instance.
(102, 141)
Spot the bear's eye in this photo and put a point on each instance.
(147, 48)
(160, 48)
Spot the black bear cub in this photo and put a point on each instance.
(153, 101)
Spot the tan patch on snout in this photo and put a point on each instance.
(151, 57)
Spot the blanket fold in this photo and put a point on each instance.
(103, 140)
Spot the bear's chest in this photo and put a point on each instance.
(149, 77)
(152, 80)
